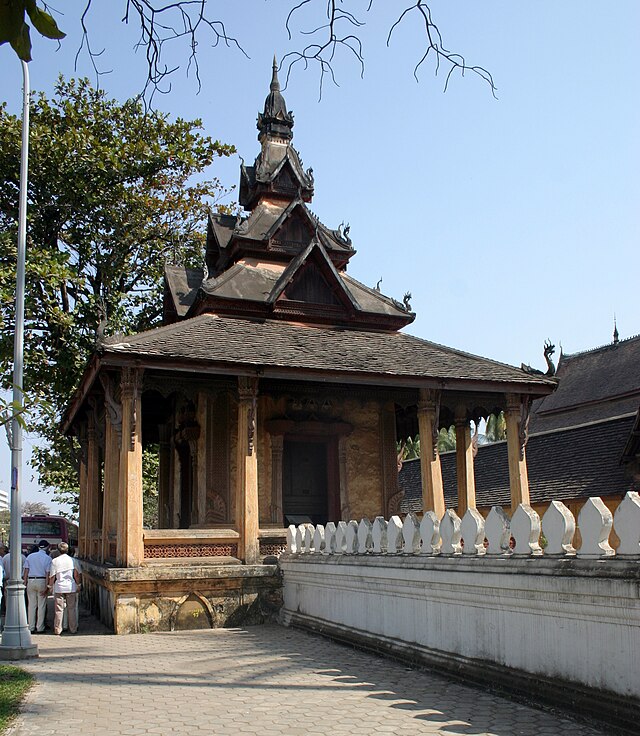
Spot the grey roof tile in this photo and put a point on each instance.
(274, 343)
(607, 374)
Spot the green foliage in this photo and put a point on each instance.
(447, 439)
(496, 429)
(14, 28)
(150, 476)
(14, 683)
(114, 193)
(410, 448)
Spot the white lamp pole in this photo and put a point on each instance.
(16, 638)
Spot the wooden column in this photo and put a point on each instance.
(112, 442)
(112, 435)
(164, 477)
(247, 521)
(130, 548)
(277, 450)
(82, 495)
(517, 417)
(464, 466)
(432, 490)
(93, 486)
(345, 507)
(200, 460)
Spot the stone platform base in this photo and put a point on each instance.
(181, 595)
(13, 654)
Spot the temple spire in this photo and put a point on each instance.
(275, 82)
(275, 122)
(616, 336)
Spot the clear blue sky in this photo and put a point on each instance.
(510, 220)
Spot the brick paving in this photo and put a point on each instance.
(265, 680)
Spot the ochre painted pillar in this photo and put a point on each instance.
(247, 521)
(82, 495)
(130, 549)
(432, 490)
(93, 487)
(517, 420)
(464, 467)
(112, 440)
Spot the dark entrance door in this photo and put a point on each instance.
(305, 491)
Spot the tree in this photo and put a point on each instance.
(410, 448)
(328, 27)
(447, 439)
(111, 199)
(34, 507)
(496, 429)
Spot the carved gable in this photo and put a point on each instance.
(286, 181)
(311, 286)
(295, 231)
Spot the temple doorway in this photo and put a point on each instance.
(309, 480)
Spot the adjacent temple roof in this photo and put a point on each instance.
(565, 465)
(595, 384)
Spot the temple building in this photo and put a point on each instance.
(274, 393)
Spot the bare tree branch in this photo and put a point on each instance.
(436, 48)
(161, 24)
(186, 22)
(329, 41)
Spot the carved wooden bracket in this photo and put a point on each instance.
(430, 402)
(83, 441)
(248, 392)
(130, 383)
(112, 406)
(523, 427)
(520, 408)
(96, 422)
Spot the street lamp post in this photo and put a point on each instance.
(16, 638)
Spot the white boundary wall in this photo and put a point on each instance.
(564, 616)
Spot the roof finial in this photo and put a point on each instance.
(275, 121)
(616, 336)
(275, 82)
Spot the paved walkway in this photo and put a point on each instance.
(264, 680)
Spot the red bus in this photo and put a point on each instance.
(54, 529)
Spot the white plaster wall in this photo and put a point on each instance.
(571, 619)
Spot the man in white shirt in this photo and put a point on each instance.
(64, 578)
(36, 572)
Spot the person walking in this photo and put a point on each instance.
(36, 572)
(64, 578)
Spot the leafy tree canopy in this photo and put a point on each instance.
(112, 197)
(34, 507)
